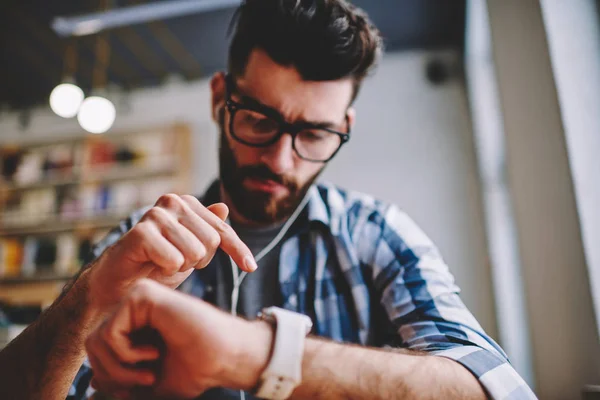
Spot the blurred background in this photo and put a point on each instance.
(482, 122)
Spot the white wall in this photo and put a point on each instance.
(565, 345)
(412, 145)
(574, 44)
(502, 238)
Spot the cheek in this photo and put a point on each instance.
(244, 155)
(306, 170)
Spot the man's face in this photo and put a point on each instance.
(265, 184)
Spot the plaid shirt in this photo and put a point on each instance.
(365, 273)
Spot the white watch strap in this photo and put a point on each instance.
(284, 371)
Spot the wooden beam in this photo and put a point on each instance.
(143, 53)
(126, 74)
(171, 44)
(176, 49)
(117, 67)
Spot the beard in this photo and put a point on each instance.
(258, 207)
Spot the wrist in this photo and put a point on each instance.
(252, 354)
(104, 291)
(80, 293)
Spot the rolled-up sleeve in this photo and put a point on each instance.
(422, 302)
(494, 372)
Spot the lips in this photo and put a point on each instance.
(265, 185)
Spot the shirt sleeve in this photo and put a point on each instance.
(80, 388)
(422, 302)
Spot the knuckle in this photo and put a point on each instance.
(223, 228)
(199, 253)
(155, 214)
(170, 201)
(172, 266)
(140, 231)
(173, 269)
(213, 241)
(190, 199)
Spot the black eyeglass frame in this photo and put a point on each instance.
(285, 127)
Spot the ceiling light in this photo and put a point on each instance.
(96, 114)
(66, 99)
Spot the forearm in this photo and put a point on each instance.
(335, 371)
(43, 360)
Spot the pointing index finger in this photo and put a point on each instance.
(230, 241)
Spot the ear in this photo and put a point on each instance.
(217, 88)
(351, 113)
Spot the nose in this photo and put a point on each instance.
(279, 157)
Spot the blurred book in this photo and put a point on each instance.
(68, 202)
(30, 249)
(37, 206)
(10, 158)
(124, 197)
(66, 254)
(30, 168)
(46, 255)
(11, 257)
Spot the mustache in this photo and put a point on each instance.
(262, 172)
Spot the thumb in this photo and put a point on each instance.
(220, 210)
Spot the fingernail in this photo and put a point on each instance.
(250, 264)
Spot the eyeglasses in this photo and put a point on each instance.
(259, 126)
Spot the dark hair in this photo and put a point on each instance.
(323, 39)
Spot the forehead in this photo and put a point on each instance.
(283, 89)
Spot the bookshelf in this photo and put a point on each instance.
(58, 197)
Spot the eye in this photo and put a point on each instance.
(314, 135)
(265, 125)
(258, 122)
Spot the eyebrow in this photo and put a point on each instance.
(255, 103)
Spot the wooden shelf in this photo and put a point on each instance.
(53, 226)
(123, 173)
(65, 213)
(46, 183)
(31, 293)
(34, 279)
(111, 174)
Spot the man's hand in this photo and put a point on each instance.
(175, 236)
(200, 346)
(197, 347)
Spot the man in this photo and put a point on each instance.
(360, 269)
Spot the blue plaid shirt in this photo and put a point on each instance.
(365, 273)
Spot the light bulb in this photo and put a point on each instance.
(66, 99)
(96, 114)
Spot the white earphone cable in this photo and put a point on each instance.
(239, 277)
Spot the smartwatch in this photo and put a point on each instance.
(284, 371)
